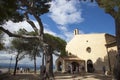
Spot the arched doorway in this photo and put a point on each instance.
(59, 66)
(75, 66)
(90, 68)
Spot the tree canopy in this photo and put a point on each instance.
(9, 11)
(56, 43)
(111, 7)
(25, 9)
(1, 40)
(19, 47)
(18, 10)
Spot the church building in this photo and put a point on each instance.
(89, 51)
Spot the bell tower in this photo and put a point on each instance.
(76, 32)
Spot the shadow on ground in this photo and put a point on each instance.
(19, 77)
(58, 76)
(90, 76)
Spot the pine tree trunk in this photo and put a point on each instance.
(117, 24)
(49, 63)
(42, 68)
(116, 71)
(16, 63)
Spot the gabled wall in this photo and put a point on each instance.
(79, 44)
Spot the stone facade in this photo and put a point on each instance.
(94, 49)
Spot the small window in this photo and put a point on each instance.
(88, 49)
(70, 54)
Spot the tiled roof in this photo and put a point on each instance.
(71, 57)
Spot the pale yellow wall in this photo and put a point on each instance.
(77, 46)
(79, 43)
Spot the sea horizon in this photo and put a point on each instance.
(7, 66)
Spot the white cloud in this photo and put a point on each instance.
(66, 34)
(47, 30)
(11, 26)
(63, 28)
(6, 56)
(63, 12)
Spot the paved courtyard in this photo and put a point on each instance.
(58, 76)
(87, 76)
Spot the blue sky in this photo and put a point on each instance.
(64, 17)
(95, 20)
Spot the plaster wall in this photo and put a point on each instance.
(79, 44)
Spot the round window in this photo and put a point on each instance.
(88, 49)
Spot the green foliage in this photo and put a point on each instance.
(22, 31)
(55, 42)
(14, 9)
(111, 7)
(1, 46)
(20, 44)
(33, 45)
(8, 10)
(1, 41)
(34, 6)
(109, 4)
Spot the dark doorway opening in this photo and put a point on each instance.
(75, 66)
(90, 68)
(59, 67)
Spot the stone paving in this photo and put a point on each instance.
(59, 76)
(87, 76)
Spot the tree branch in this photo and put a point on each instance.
(21, 57)
(16, 35)
(31, 23)
(40, 23)
(24, 2)
(111, 11)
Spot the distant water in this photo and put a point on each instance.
(4, 65)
